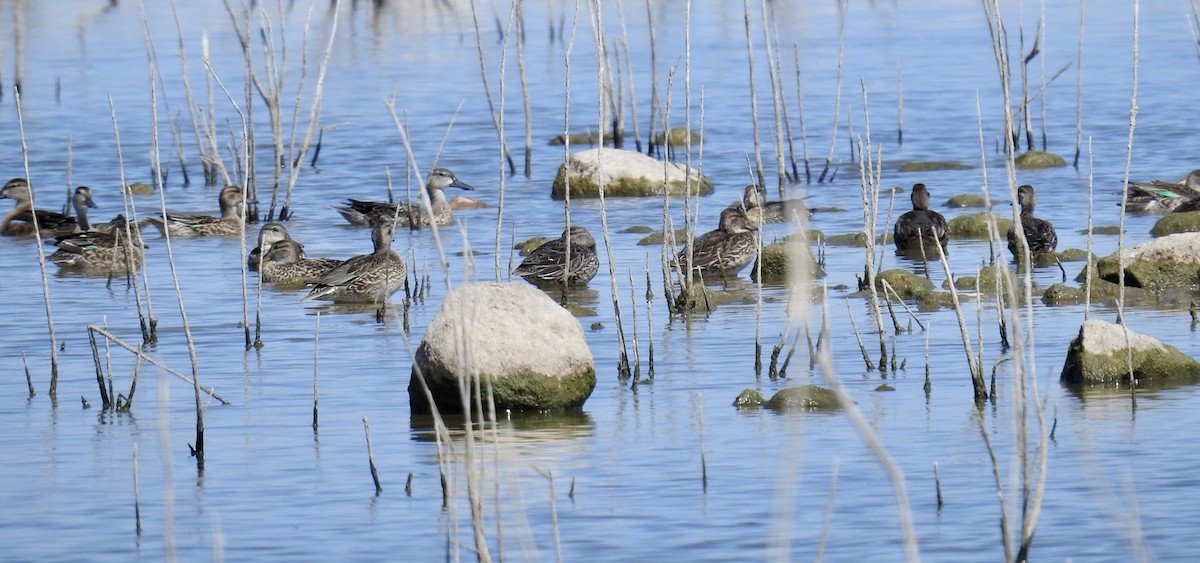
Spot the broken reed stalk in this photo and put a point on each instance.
(899, 105)
(837, 96)
(147, 321)
(1087, 278)
(1079, 96)
(371, 457)
(790, 171)
(759, 176)
(1133, 111)
(928, 382)
(142, 355)
(497, 118)
(519, 9)
(297, 154)
(683, 301)
(911, 314)
(776, 97)
(637, 356)
(1004, 525)
(654, 101)
(104, 396)
(37, 231)
(137, 494)
(195, 114)
(316, 366)
(937, 483)
(800, 116)
(28, 376)
(976, 370)
(649, 323)
(861, 347)
(633, 113)
(870, 169)
(827, 520)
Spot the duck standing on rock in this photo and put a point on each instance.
(1039, 233)
(190, 225)
(726, 250)
(567, 261)
(20, 221)
(921, 230)
(368, 278)
(365, 213)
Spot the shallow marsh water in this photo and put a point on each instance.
(1119, 482)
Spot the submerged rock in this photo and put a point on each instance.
(975, 225)
(624, 173)
(656, 238)
(678, 137)
(776, 262)
(1172, 223)
(511, 335)
(1039, 159)
(799, 398)
(1167, 262)
(966, 200)
(930, 166)
(1101, 355)
(906, 284)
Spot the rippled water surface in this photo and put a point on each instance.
(668, 469)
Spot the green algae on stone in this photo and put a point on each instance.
(966, 200)
(1039, 159)
(1102, 353)
(932, 166)
(906, 284)
(677, 137)
(1072, 255)
(1172, 223)
(637, 229)
(1109, 230)
(586, 138)
(1168, 262)
(748, 398)
(975, 225)
(656, 238)
(624, 173)
(776, 262)
(847, 239)
(805, 398)
(529, 245)
(139, 188)
(988, 275)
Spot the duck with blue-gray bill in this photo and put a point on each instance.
(569, 260)
(366, 213)
(20, 221)
(368, 278)
(1039, 233)
(724, 251)
(920, 230)
(759, 210)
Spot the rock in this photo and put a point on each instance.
(677, 137)
(1109, 230)
(139, 188)
(1172, 223)
(801, 397)
(624, 173)
(585, 138)
(1073, 255)
(1039, 159)
(975, 225)
(748, 398)
(988, 275)
(847, 239)
(777, 258)
(637, 229)
(1167, 262)
(966, 200)
(656, 238)
(512, 335)
(1100, 354)
(933, 166)
(907, 284)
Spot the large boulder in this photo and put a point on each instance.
(512, 335)
(1100, 355)
(1172, 223)
(1163, 263)
(624, 173)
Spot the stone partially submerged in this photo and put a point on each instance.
(624, 173)
(511, 335)
(1103, 352)
(1168, 262)
(798, 398)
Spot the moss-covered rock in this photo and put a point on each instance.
(656, 238)
(1039, 159)
(139, 188)
(585, 138)
(776, 262)
(804, 397)
(529, 245)
(1072, 255)
(931, 166)
(906, 284)
(988, 275)
(637, 229)
(623, 173)
(748, 398)
(847, 239)
(1167, 262)
(677, 137)
(975, 225)
(966, 200)
(1102, 230)
(1172, 223)
(1103, 352)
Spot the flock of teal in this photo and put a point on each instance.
(116, 247)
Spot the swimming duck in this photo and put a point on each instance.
(286, 264)
(725, 251)
(269, 234)
(113, 252)
(1158, 196)
(759, 210)
(365, 213)
(20, 221)
(548, 264)
(921, 228)
(192, 225)
(368, 278)
(1039, 233)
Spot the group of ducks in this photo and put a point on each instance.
(570, 260)
(922, 231)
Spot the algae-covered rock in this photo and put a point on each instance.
(931, 166)
(906, 284)
(677, 137)
(1039, 159)
(1172, 223)
(1102, 230)
(1101, 355)
(1072, 255)
(975, 225)
(529, 350)
(139, 188)
(656, 238)
(637, 229)
(529, 245)
(585, 138)
(748, 398)
(624, 173)
(1170, 261)
(802, 398)
(966, 200)
(847, 239)
(988, 275)
(777, 258)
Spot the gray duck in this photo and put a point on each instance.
(366, 213)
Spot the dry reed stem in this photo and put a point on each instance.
(104, 396)
(861, 347)
(1079, 93)
(37, 232)
(149, 326)
(316, 367)
(1087, 278)
(827, 520)
(499, 120)
(976, 369)
(519, 9)
(142, 355)
(637, 131)
(800, 116)
(837, 96)
(1133, 111)
(28, 376)
(371, 457)
(194, 112)
(751, 87)
(497, 117)
(137, 494)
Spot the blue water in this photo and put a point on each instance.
(628, 472)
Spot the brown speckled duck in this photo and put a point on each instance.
(365, 213)
(189, 225)
(548, 263)
(20, 221)
(726, 250)
(369, 278)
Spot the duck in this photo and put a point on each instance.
(921, 229)
(285, 264)
(759, 210)
(1039, 233)
(1158, 196)
(549, 264)
(368, 278)
(20, 221)
(188, 225)
(117, 251)
(726, 250)
(269, 234)
(365, 213)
